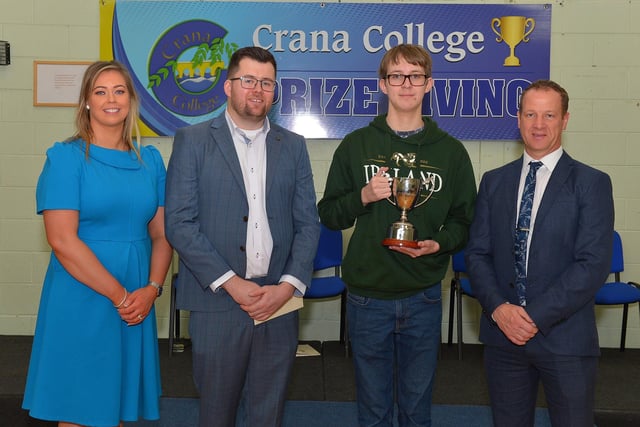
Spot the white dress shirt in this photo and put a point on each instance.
(543, 174)
(251, 149)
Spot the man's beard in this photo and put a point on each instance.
(251, 110)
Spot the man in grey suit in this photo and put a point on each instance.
(241, 213)
(539, 322)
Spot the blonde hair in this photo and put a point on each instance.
(83, 120)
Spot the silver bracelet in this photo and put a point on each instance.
(126, 294)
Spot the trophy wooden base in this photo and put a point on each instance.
(402, 243)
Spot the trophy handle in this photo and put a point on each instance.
(529, 21)
(426, 183)
(495, 21)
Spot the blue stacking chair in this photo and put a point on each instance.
(329, 256)
(460, 285)
(619, 292)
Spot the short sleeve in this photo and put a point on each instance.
(153, 158)
(59, 182)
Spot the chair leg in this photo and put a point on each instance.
(176, 328)
(623, 333)
(344, 331)
(172, 319)
(346, 339)
(452, 296)
(342, 313)
(459, 312)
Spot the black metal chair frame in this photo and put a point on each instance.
(455, 299)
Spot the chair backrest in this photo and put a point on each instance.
(617, 259)
(457, 262)
(329, 253)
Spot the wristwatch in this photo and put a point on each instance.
(157, 286)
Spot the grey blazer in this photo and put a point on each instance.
(569, 255)
(206, 210)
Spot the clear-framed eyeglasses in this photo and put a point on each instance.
(414, 79)
(250, 82)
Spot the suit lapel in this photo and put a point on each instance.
(222, 137)
(511, 192)
(559, 176)
(274, 157)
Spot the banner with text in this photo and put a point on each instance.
(328, 56)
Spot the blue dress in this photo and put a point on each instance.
(87, 366)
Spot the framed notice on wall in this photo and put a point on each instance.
(57, 83)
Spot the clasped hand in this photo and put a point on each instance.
(138, 305)
(259, 302)
(515, 323)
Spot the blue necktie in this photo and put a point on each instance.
(522, 231)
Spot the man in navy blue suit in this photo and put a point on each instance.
(241, 213)
(545, 329)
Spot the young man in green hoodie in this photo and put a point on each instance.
(394, 309)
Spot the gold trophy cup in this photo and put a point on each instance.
(514, 29)
(405, 195)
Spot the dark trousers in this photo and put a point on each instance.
(239, 365)
(513, 375)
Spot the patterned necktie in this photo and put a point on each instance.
(522, 231)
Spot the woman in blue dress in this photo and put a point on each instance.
(94, 360)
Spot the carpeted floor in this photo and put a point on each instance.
(305, 413)
(182, 412)
(329, 377)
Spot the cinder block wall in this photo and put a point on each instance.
(593, 54)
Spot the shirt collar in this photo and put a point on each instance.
(239, 134)
(549, 161)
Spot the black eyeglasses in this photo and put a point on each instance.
(250, 82)
(414, 79)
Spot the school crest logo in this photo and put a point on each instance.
(188, 67)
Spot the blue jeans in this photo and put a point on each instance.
(395, 350)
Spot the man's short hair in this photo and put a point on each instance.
(548, 85)
(253, 52)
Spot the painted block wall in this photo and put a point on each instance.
(593, 55)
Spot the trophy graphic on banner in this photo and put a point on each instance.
(405, 195)
(513, 30)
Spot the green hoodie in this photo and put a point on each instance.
(369, 268)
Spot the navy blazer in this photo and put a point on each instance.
(569, 255)
(206, 210)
